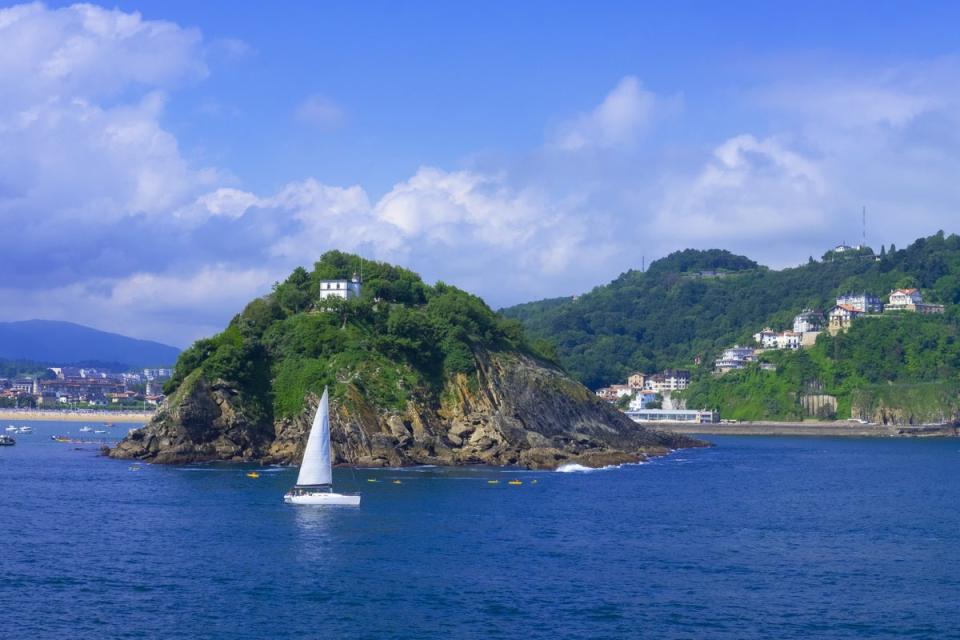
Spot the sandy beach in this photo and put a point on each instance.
(76, 416)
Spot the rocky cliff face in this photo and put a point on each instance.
(906, 405)
(514, 411)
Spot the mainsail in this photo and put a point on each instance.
(315, 468)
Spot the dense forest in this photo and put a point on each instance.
(695, 303)
(400, 337)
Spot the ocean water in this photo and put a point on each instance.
(753, 538)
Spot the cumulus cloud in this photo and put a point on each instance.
(320, 112)
(758, 188)
(175, 308)
(108, 221)
(75, 159)
(615, 122)
(87, 52)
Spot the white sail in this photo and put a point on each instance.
(315, 468)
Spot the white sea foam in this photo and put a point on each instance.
(572, 467)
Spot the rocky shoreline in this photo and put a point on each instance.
(515, 411)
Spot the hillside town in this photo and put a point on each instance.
(60, 387)
(648, 398)
(809, 323)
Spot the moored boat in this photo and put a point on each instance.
(7, 441)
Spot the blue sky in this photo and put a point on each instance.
(164, 162)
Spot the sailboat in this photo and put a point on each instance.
(315, 481)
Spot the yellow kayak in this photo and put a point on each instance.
(493, 482)
(253, 474)
(515, 482)
(371, 479)
(397, 482)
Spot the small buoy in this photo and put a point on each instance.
(493, 482)
(533, 482)
(396, 482)
(514, 482)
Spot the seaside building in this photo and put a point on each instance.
(911, 300)
(770, 339)
(841, 317)
(863, 302)
(22, 385)
(674, 415)
(344, 289)
(668, 380)
(767, 338)
(637, 380)
(808, 321)
(642, 399)
(736, 357)
(614, 392)
(622, 390)
(606, 393)
(79, 389)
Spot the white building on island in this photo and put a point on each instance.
(345, 289)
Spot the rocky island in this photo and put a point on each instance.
(418, 374)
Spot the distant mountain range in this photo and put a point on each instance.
(55, 342)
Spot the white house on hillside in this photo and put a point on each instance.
(770, 339)
(862, 302)
(669, 380)
(735, 357)
(345, 289)
(807, 321)
(766, 338)
(911, 300)
(842, 316)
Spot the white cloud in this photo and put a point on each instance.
(88, 52)
(171, 308)
(131, 235)
(616, 122)
(322, 113)
(74, 157)
(749, 188)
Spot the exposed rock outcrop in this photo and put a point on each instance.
(514, 411)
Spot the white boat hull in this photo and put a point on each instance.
(322, 498)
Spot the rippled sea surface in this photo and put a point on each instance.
(753, 538)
